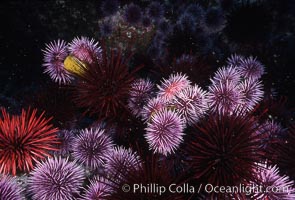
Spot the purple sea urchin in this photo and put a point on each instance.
(9, 189)
(252, 93)
(272, 128)
(132, 14)
(272, 132)
(235, 60)
(164, 26)
(171, 86)
(54, 55)
(190, 103)
(224, 74)
(66, 138)
(187, 22)
(120, 160)
(197, 70)
(55, 179)
(165, 131)
(214, 20)
(196, 10)
(146, 21)
(99, 189)
(155, 10)
(224, 98)
(152, 106)
(141, 90)
(105, 28)
(85, 49)
(274, 186)
(109, 7)
(91, 147)
(251, 68)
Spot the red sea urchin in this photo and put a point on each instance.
(283, 153)
(153, 172)
(224, 149)
(105, 86)
(24, 139)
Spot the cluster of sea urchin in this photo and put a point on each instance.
(56, 52)
(200, 127)
(178, 102)
(236, 85)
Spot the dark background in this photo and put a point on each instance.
(27, 25)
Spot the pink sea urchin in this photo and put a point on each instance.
(85, 49)
(165, 131)
(171, 86)
(54, 55)
(91, 146)
(191, 103)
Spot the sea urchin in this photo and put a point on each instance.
(104, 88)
(56, 179)
(24, 139)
